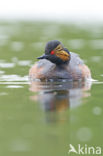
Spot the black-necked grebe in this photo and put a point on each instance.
(59, 63)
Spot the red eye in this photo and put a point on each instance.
(52, 52)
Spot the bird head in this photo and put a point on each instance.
(56, 53)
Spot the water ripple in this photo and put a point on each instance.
(13, 79)
(14, 86)
(6, 65)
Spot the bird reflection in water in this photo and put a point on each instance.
(56, 97)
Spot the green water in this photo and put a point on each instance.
(43, 119)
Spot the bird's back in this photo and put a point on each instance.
(74, 70)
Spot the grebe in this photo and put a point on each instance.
(59, 63)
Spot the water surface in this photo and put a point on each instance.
(44, 118)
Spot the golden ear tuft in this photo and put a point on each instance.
(59, 48)
(63, 55)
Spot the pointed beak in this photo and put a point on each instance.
(42, 57)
